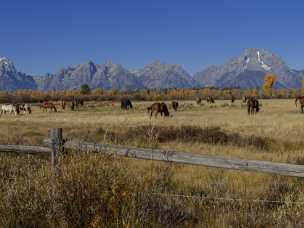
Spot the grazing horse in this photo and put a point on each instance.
(25, 108)
(210, 100)
(11, 109)
(48, 105)
(301, 100)
(158, 108)
(198, 100)
(232, 99)
(253, 105)
(76, 102)
(175, 105)
(62, 104)
(125, 103)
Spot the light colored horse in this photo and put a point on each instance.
(11, 109)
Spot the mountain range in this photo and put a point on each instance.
(246, 71)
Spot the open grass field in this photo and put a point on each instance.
(279, 122)
(274, 134)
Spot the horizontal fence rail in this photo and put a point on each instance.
(192, 159)
(55, 145)
(21, 149)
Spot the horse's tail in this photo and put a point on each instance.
(296, 101)
(257, 106)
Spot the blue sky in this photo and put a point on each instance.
(42, 36)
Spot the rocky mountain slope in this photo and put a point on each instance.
(11, 80)
(104, 76)
(248, 70)
(161, 75)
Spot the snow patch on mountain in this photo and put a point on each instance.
(265, 66)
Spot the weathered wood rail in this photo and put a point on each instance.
(55, 146)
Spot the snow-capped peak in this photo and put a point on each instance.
(264, 66)
(4, 60)
(6, 65)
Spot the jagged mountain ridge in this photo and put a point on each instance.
(107, 76)
(253, 63)
(160, 75)
(246, 71)
(104, 76)
(11, 79)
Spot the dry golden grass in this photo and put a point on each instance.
(279, 122)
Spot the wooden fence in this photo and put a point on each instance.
(56, 145)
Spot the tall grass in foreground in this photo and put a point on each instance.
(98, 191)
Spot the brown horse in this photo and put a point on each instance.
(158, 108)
(210, 100)
(198, 100)
(253, 105)
(48, 105)
(301, 100)
(175, 105)
(62, 104)
(76, 103)
(232, 99)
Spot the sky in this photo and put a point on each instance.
(42, 36)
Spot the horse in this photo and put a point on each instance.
(76, 102)
(175, 105)
(25, 108)
(301, 100)
(158, 108)
(62, 104)
(253, 105)
(198, 100)
(48, 105)
(210, 100)
(232, 99)
(125, 103)
(11, 109)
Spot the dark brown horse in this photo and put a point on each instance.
(175, 105)
(232, 99)
(301, 100)
(62, 104)
(76, 103)
(210, 100)
(45, 106)
(158, 108)
(253, 105)
(125, 103)
(198, 100)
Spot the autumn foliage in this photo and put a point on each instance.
(269, 81)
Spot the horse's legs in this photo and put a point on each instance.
(248, 109)
(156, 113)
(302, 108)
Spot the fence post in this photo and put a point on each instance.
(57, 147)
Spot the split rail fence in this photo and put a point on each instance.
(55, 145)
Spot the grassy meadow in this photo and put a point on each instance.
(97, 191)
